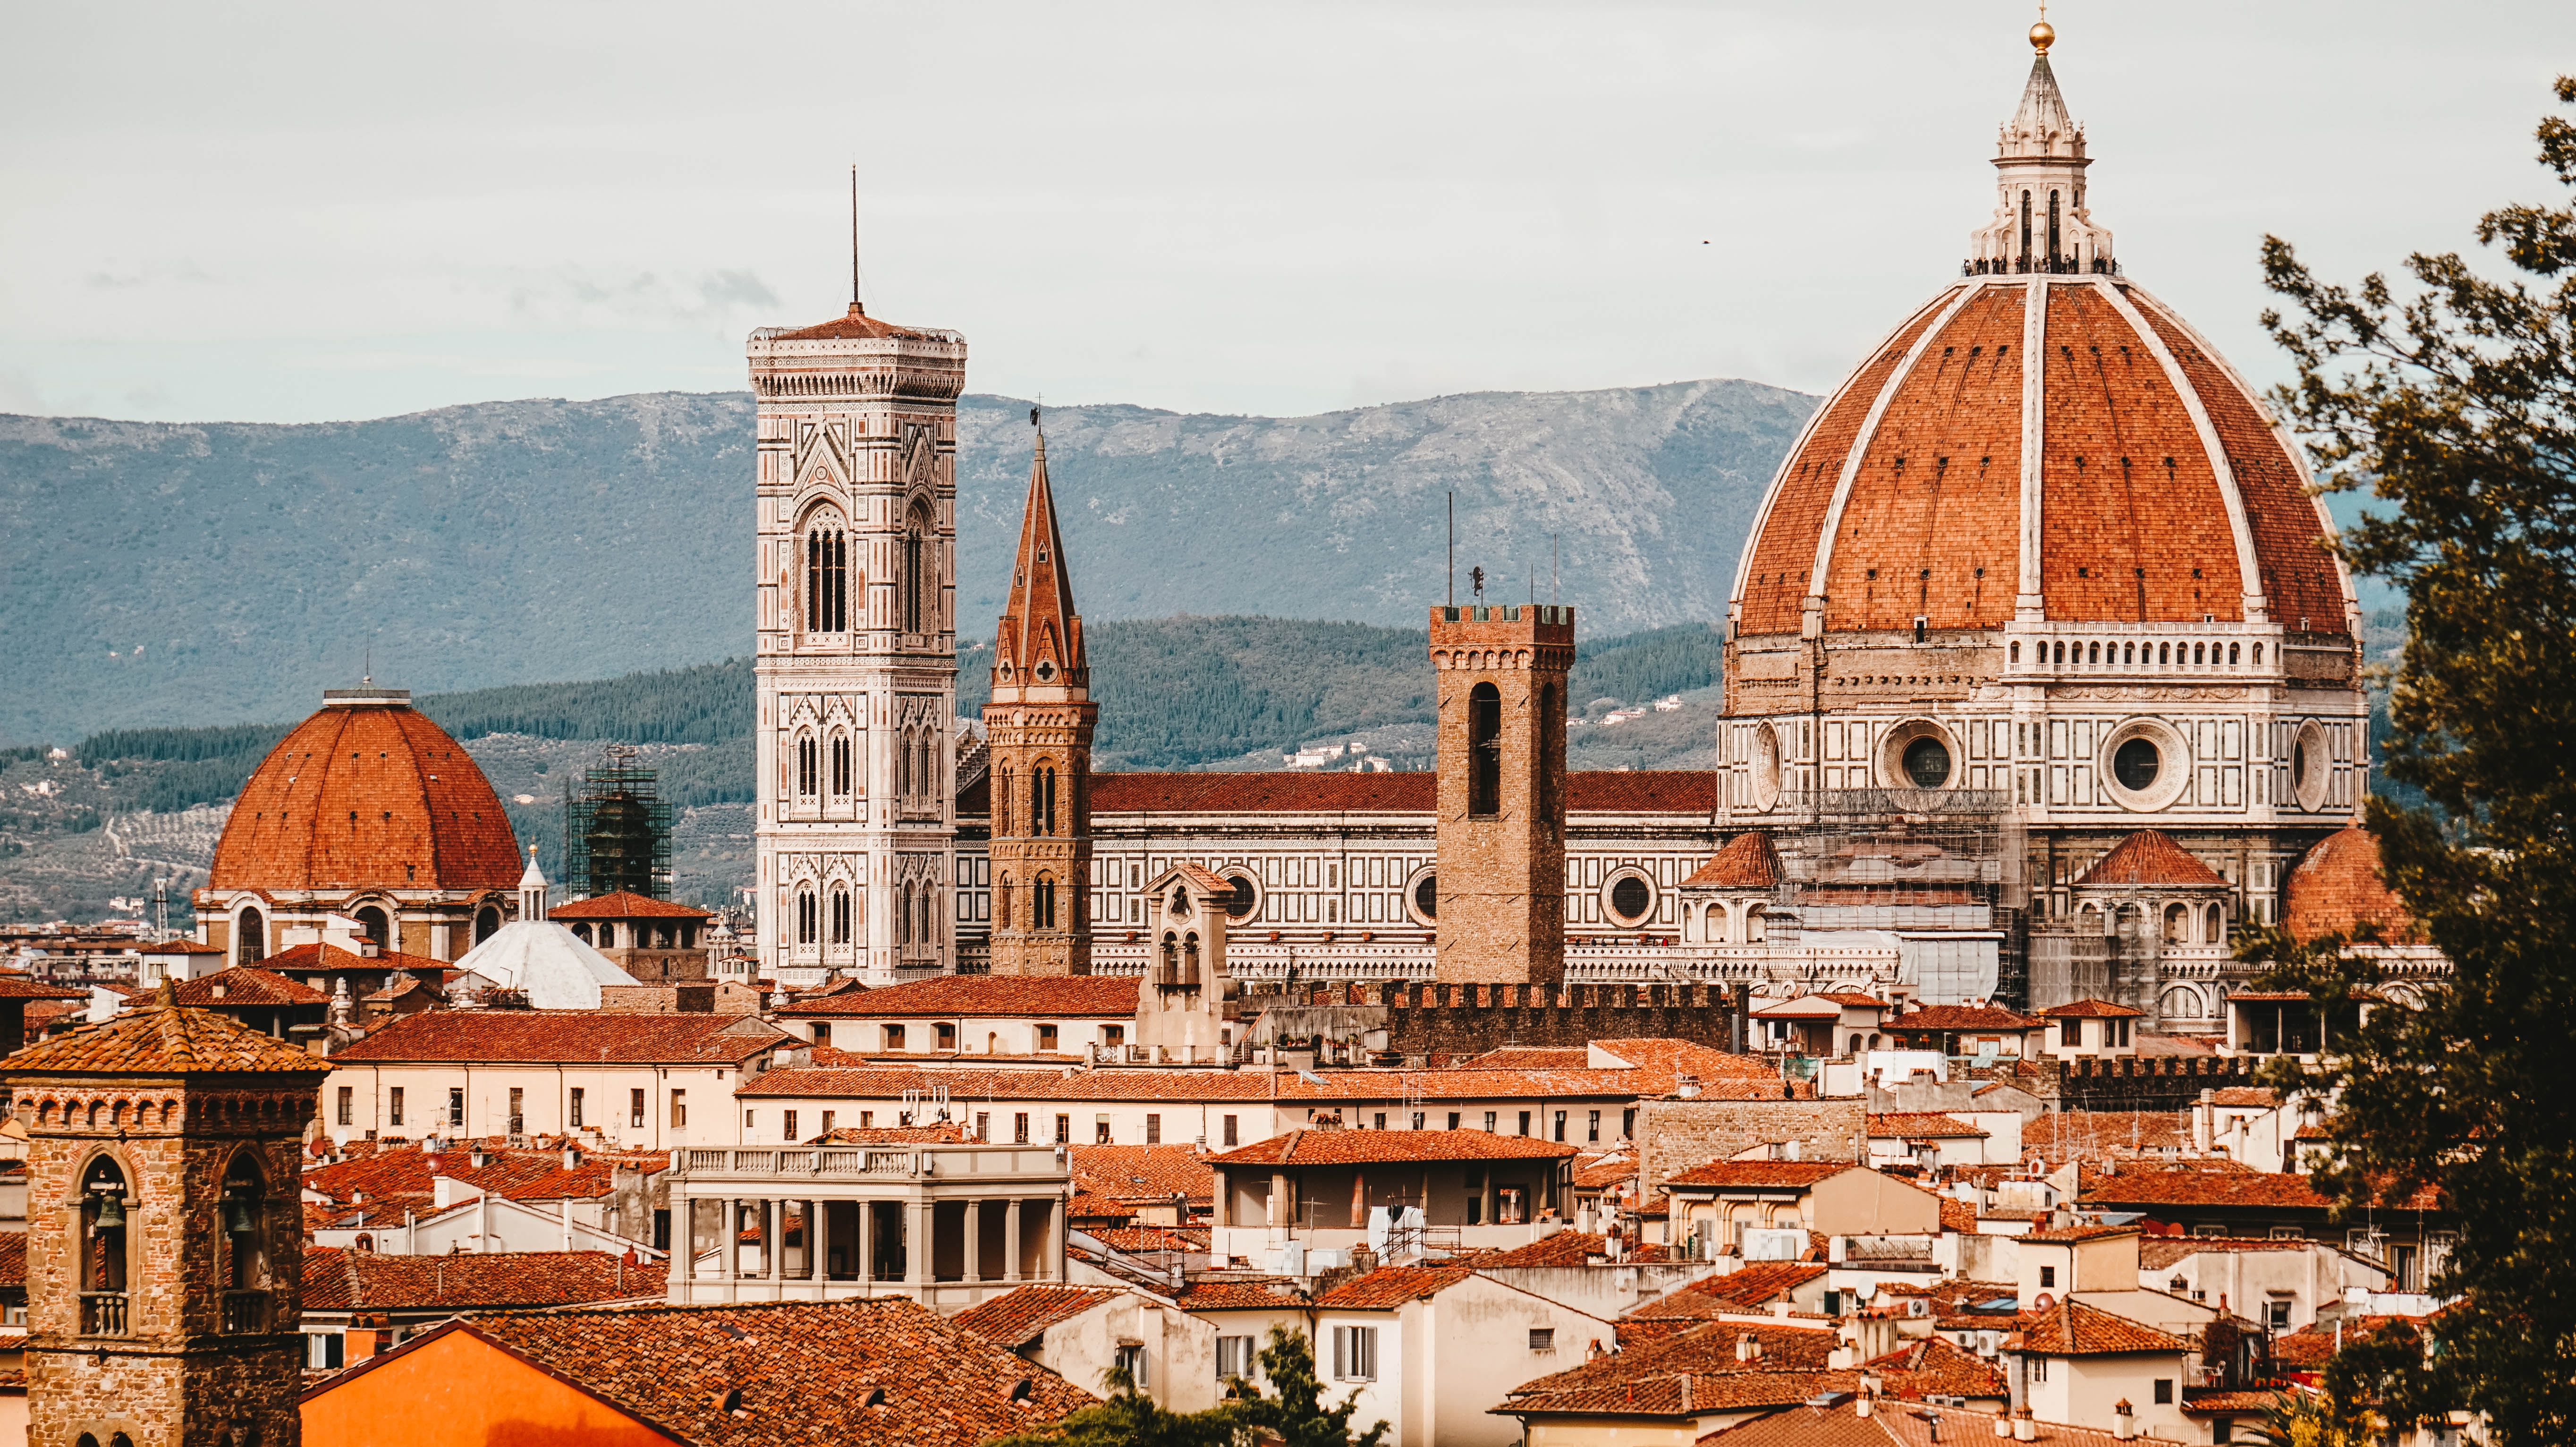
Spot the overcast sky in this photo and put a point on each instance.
(298, 213)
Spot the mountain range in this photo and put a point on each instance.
(192, 574)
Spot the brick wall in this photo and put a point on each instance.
(2163, 1082)
(1675, 1135)
(1502, 874)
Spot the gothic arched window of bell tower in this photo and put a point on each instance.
(105, 1200)
(1485, 750)
(1042, 800)
(827, 579)
(916, 586)
(1042, 903)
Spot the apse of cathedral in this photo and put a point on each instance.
(2040, 678)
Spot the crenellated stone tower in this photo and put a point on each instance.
(164, 1238)
(856, 832)
(1500, 909)
(1038, 728)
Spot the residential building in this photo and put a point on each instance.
(643, 1082)
(359, 1303)
(1745, 1206)
(1429, 1348)
(1081, 1332)
(1308, 1189)
(2091, 1030)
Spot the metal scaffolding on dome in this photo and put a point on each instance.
(1939, 868)
(617, 830)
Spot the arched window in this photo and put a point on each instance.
(2199, 653)
(903, 914)
(806, 924)
(487, 923)
(1171, 961)
(2258, 655)
(2016, 650)
(2164, 653)
(2052, 231)
(581, 932)
(827, 578)
(2061, 655)
(245, 1219)
(1002, 904)
(1042, 902)
(925, 778)
(2214, 929)
(1484, 750)
(252, 938)
(372, 924)
(2097, 653)
(2025, 254)
(808, 769)
(2234, 651)
(1002, 785)
(840, 915)
(1757, 925)
(2177, 924)
(917, 608)
(105, 1200)
(840, 766)
(1042, 800)
(1190, 958)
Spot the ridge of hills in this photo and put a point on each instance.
(167, 574)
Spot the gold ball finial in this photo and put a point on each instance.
(2042, 36)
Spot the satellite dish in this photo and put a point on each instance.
(2043, 1302)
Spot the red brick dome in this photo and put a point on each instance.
(2338, 888)
(367, 795)
(2064, 439)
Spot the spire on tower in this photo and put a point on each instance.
(1039, 640)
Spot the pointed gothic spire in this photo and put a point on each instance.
(1039, 641)
(2042, 221)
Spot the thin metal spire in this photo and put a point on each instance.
(857, 308)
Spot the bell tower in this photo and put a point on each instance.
(854, 838)
(1500, 906)
(1038, 728)
(164, 1234)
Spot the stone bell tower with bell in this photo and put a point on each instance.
(164, 1230)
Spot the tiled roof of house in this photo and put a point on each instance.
(309, 958)
(2151, 857)
(13, 1258)
(1757, 1175)
(1958, 1215)
(1569, 1248)
(1526, 1057)
(1751, 1287)
(2090, 1010)
(362, 796)
(626, 904)
(162, 1039)
(1589, 792)
(2070, 1235)
(1963, 1017)
(1212, 1293)
(343, 1280)
(1142, 1173)
(1369, 1147)
(183, 946)
(938, 1133)
(2156, 1253)
(2072, 1329)
(2310, 1347)
(2060, 1136)
(1923, 1125)
(15, 986)
(2262, 1096)
(394, 1177)
(1015, 1316)
(566, 1036)
(1903, 1424)
(1106, 996)
(1648, 1379)
(1747, 862)
(2214, 1186)
(1138, 1239)
(861, 1371)
(247, 985)
(1939, 1367)
(1389, 1287)
(1612, 1169)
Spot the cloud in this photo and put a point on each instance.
(571, 297)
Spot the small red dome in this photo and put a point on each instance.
(367, 796)
(2063, 435)
(2339, 887)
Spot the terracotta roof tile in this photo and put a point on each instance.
(566, 1036)
(1208, 1293)
(1937, 1366)
(162, 1039)
(2263, 1096)
(2072, 1329)
(1107, 996)
(2339, 888)
(2156, 1253)
(2069, 1235)
(858, 326)
(2140, 1188)
(1923, 1125)
(1749, 1288)
(247, 985)
(1758, 1175)
(2151, 856)
(1747, 862)
(13, 1258)
(331, 958)
(1015, 1316)
(863, 1372)
(1349, 1147)
(14, 986)
(1647, 1379)
(342, 1280)
(362, 796)
(1142, 1173)
(1963, 1017)
(626, 904)
(1568, 1248)
(2091, 1010)
(393, 1177)
(1147, 1239)
(1389, 1287)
